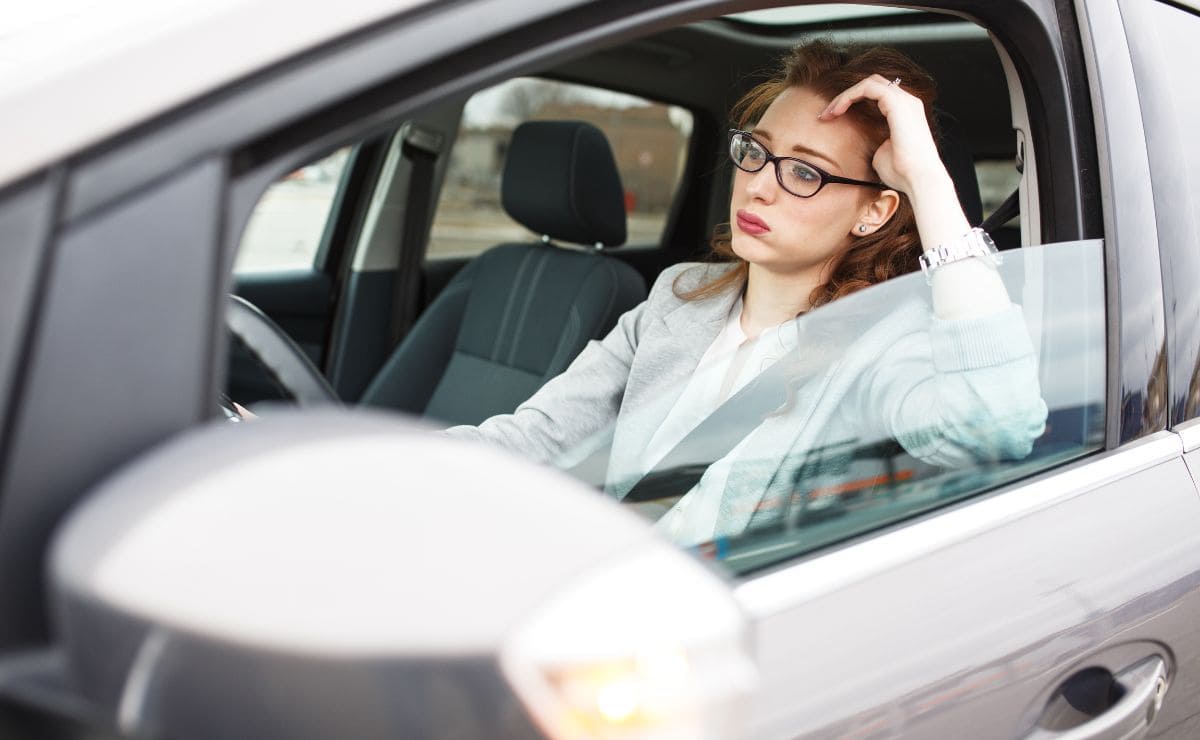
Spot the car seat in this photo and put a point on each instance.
(518, 314)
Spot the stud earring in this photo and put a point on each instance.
(862, 228)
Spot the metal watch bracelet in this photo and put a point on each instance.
(975, 243)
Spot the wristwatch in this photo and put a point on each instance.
(975, 243)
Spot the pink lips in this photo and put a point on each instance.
(751, 224)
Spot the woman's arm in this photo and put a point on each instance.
(966, 389)
(961, 392)
(909, 162)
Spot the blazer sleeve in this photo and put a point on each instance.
(961, 392)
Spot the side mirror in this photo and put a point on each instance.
(333, 574)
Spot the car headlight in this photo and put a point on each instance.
(652, 646)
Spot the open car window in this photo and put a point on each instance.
(826, 451)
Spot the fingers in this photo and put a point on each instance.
(876, 88)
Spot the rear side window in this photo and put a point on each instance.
(649, 141)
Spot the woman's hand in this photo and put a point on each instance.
(908, 160)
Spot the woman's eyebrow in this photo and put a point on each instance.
(798, 148)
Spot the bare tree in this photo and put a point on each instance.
(525, 97)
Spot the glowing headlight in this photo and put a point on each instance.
(652, 647)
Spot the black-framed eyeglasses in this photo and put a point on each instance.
(798, 177)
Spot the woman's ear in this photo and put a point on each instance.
(877, 213)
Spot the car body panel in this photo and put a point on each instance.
(25, 218)
(965, 623)
(74, 53)
(95, 395)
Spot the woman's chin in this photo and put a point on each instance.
(749, 248)
(756, 251)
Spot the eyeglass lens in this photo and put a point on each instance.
(796, 177)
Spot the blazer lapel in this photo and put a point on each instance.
(666, 359)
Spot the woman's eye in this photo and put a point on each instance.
(803, 173)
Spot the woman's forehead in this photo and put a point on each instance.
(791, 127)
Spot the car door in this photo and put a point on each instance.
(1064, 603)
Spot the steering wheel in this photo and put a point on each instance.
(278, 354)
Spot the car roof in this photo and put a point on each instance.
(75, 72)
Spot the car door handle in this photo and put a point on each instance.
(1142, 687)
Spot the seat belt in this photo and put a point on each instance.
(420, 147)
(1004, 212)
(1011, 206)
(715, 436)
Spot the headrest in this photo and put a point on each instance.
(560, 180)
(960, 164)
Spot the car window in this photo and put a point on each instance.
(288, 223)
(843, 439)
(649, 142)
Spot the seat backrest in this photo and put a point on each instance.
(517, 314)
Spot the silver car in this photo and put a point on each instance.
(337, 568)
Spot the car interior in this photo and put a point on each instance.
(448, 266)
(392, 316)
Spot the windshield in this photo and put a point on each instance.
(835, 435)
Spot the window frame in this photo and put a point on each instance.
(1178, 230)
(1135, 285)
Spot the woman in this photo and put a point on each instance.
(838, 184)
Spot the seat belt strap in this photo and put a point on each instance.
(420, 147)
(716, 435)
(1004, 213)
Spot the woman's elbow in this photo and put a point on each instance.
(1018, 433)
(987, 436)
(1010, 435)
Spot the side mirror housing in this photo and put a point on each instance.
(334, 574)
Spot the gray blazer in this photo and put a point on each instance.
(952, 392)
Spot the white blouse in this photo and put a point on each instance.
(730, 362)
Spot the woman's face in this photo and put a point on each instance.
(780, 232)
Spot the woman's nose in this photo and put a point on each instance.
(762, 184)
